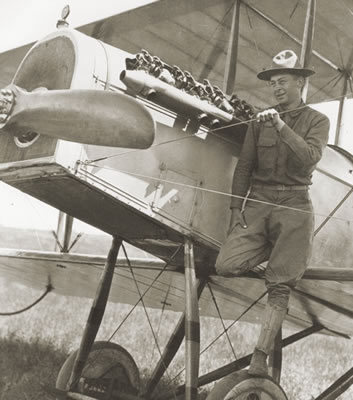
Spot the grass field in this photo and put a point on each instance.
(35, 344)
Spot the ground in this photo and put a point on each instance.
(34, 345)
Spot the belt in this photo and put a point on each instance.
(280, 187)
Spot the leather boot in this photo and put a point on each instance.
(273, 318)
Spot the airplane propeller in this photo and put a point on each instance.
(85, 116)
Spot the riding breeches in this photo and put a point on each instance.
(279, 230)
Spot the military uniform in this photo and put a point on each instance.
(277, 167)
(274, 170)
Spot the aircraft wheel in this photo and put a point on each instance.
(109, 368)
(241, 386)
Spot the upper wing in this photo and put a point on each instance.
(327, 303)
(194, 35)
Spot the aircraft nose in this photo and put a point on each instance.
(83, 116)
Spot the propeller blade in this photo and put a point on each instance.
(84, 116)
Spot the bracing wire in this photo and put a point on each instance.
(140, 296)
(164, 303)
(145, 310)
(339, 51)
(137, 303)
(334, 80)
(253, 33)
(289, 19)
(220, 23)
(221, 193)
(282, 112)
(96, 356)
(222, 321)
(226, 330)
(211, 131)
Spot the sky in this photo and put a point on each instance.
(22, 22)
(25, 21)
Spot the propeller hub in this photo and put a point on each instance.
(7, 101)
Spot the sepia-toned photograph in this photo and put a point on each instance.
(176, 200)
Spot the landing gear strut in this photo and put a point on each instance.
(100, 370)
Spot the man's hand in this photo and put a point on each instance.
(236, 218)
(271, 115)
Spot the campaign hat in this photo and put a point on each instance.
(285, 62)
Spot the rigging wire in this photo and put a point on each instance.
(91, 361)
(222, 321)
(163, 307)
(211, 131)
(340, 203)
(276, 46)
(282, 112)
(207, 42)
(253, 33)
(220, 193)
(146, 291)
(340, 51)
(227, 329)
(137, 303)
(137, 150)
(164, 303)
(336, 78)
(145, 310)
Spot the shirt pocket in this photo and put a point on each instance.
(266, 152)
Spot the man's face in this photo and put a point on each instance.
(286, 88)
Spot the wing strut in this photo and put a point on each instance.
(192, 325)
(307, 41)
(346, 72)
(63, 232)
(340, 114)
(288, 34)
(171, 348)
(96, 313)
(232, 53)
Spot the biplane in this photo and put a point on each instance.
(133, 124)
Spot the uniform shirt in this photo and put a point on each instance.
(287, 157)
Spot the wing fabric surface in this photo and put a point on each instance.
(194, 35)
(77, 275)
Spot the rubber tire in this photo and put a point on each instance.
(223, 390)
(123, 358)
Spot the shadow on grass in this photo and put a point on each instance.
(25, 367)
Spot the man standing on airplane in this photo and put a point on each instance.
(276, 221)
